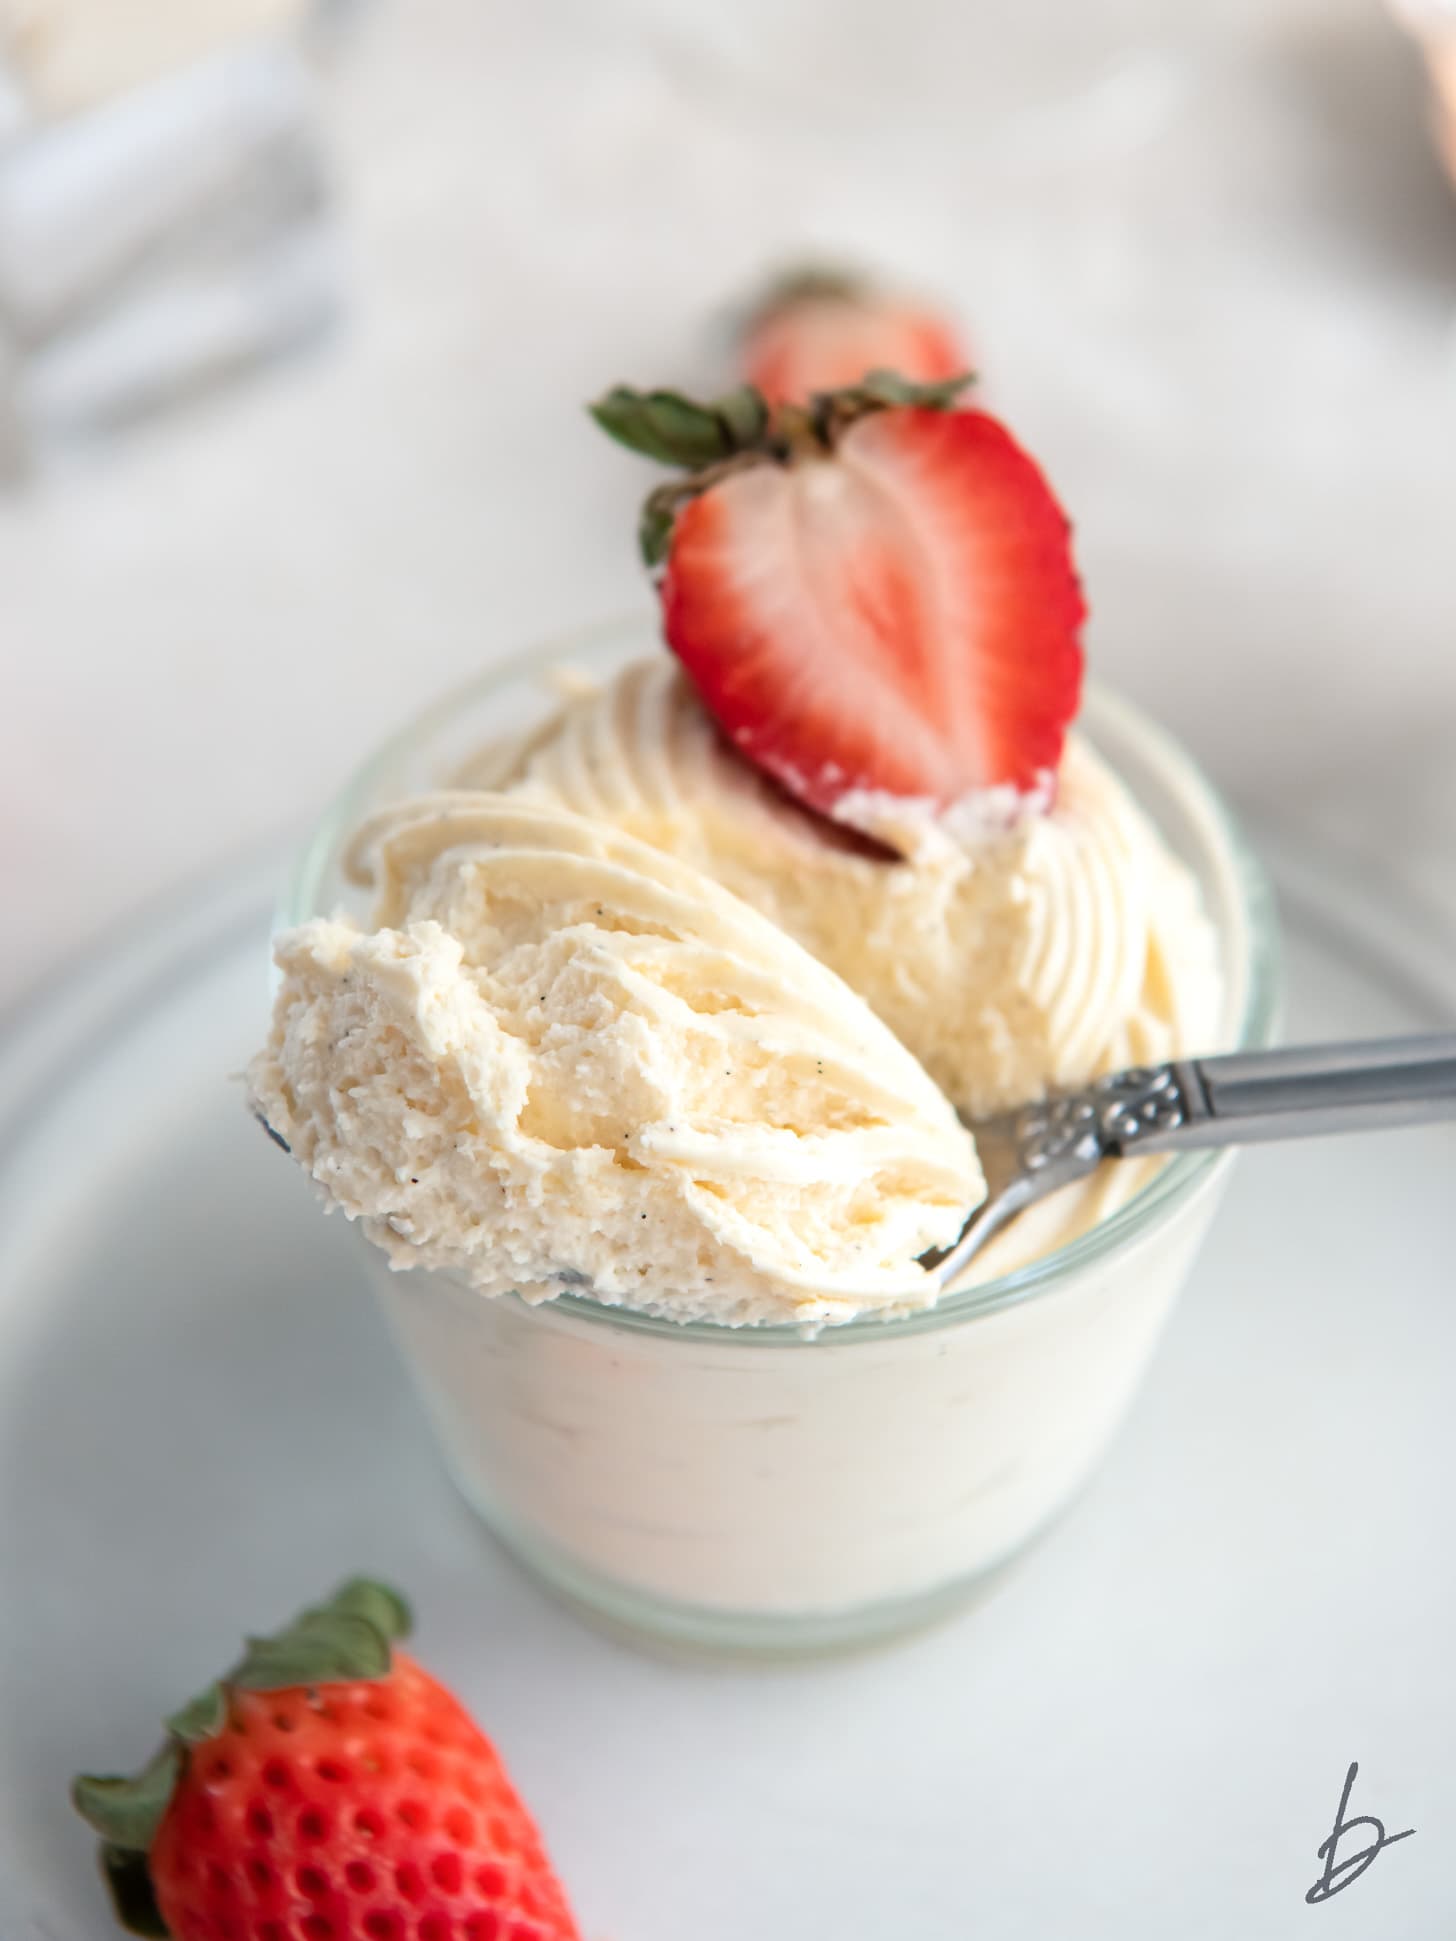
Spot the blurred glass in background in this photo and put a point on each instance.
(164, 217)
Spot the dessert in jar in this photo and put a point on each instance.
(640, 1050)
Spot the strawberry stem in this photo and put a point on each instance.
(710, 441)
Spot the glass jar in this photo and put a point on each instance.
(760, 1488)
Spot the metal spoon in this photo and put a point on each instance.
(1225, 1101)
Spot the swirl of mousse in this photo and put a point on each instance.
(566, 1058)
(1011, 958)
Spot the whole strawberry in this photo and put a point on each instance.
(327, 1789)
(821, 330)
(873, 593)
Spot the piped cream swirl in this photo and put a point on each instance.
(1070, 944)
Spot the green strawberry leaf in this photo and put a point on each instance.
(318, 1648)
(346, 1637)
(654, 528)
(200, 1718)
(127, 1812)
(662, 425)
(678, 431)
(385, 1609)
(888, 388)
(129, 1882)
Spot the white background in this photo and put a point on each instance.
(1206, 257)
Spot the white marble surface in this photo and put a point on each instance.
(1206, 255)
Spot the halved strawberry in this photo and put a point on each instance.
(823, 332)
(875, 594)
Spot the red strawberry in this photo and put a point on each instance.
(876, 593)
(326, 1790)
(822, 333)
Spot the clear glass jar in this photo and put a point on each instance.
(757, 1488)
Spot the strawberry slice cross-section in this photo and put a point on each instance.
(875, 598)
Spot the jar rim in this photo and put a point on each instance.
(1252, 898)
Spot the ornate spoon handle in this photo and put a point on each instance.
(1294, 1094)
(1227, 1101)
